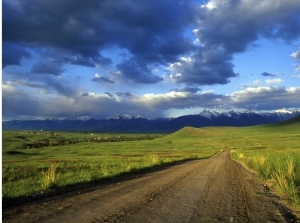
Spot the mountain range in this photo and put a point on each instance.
(126, 123)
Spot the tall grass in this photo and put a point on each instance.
(280, 173)
(153, 158)
(50, 177)
(284, 179)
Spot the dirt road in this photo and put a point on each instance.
(209, 190)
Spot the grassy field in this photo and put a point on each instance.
(35, 162)
(27, 171)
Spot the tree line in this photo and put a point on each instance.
(60, 142)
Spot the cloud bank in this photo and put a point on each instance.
(180, 46)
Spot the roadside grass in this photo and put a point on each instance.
(270, 150)
(280, 170)
(273, 151)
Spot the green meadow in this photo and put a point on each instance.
(79, 158)
(36, 162)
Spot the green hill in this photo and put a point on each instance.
(291, 122)
(192, 132)
(290, 125)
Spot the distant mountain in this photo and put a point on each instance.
(126, 123)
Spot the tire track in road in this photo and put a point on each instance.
(217, 190)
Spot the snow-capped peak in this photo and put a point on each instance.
(208, 114)
(122, 116)
(83, 118)
(283, 111)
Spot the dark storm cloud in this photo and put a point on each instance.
(207, 67)
(266, 74)
(150, 30)
(12, 54)
(138, 71)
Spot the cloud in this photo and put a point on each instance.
(266, 98)
(191, 89)
(207, 67)
(85, 94)
(220, 35)
(179, 45)
(219, 26)
(100, 105)
(151, 31)
(274, 81)
(123, 94)
(149, 105)
(101, 80)
(50, 66)
(25, 83)
(266, 74)
(296, 56)
(12, 54)
(255, 84)
(89, 61)
(15, 100)
(138, 71)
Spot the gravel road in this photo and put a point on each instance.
(208, 190)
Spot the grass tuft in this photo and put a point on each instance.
(153, 158)
(50, 178)
(284, 180)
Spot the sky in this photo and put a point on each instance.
(159, 58)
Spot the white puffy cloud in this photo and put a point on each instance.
(266, 98)
(274, 81)
(296, 55)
